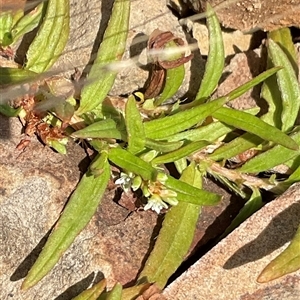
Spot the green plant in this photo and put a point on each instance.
(139, 145)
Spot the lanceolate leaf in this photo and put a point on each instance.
(115, 293)
(134, 127)
(101, 129)
(132, 163)
(161, 128)
(8, 111)
(111, 50)
(288, 84)
(271, 158)
(161, 146)
(210, 132)
(250, 207)
(236, 146)
(179, 153)
(188, 193)
(216, 57)
(175, 237)
(92, 293)
(286, 262)
(254, 125)
(51, 38)
(76, 215)
(28, 22)
(13, 75)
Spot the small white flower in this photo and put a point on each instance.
(155, 203)
(125, 181)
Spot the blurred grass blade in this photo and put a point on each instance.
(129, 162)
(240, 144)
(288, 84)
(101, 129)
(175, 236)
(247, 122)
(188, 193)
(28, 22)
(216, 57)
(92, 293)
(179, 153)
(51, 38)
(271, 158)
(161, 128)
(173, 80)
(76, 215)
(134, 127)
(111, 50)
(115, 293)
(250, 207)
(161, 146)
(286, 262)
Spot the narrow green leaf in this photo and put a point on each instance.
(76, 215)
(252, 83)
(271, 158)
(238, 145)
(187, 193)
(161, 128)
(286, 262)
(9, 111)
(179, 153)
(92, 293)
(161, 146)
(6, 23)
(294, 177)
(134, 127)
(132, 163)
(288, 84)
(115, 293)
(51, 38)
(111, 50)
(175, 237)
(216, 57)
(181, 165)
(254, 125)
(59, 146)
(250, 207)
(283, 37)
(13, 75)
(210, 132)
(98, 165)
(173, 80)
(132, 292)
(270, 92)
(28, 22)
(101, 129)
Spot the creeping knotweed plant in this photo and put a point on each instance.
(140, 139)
